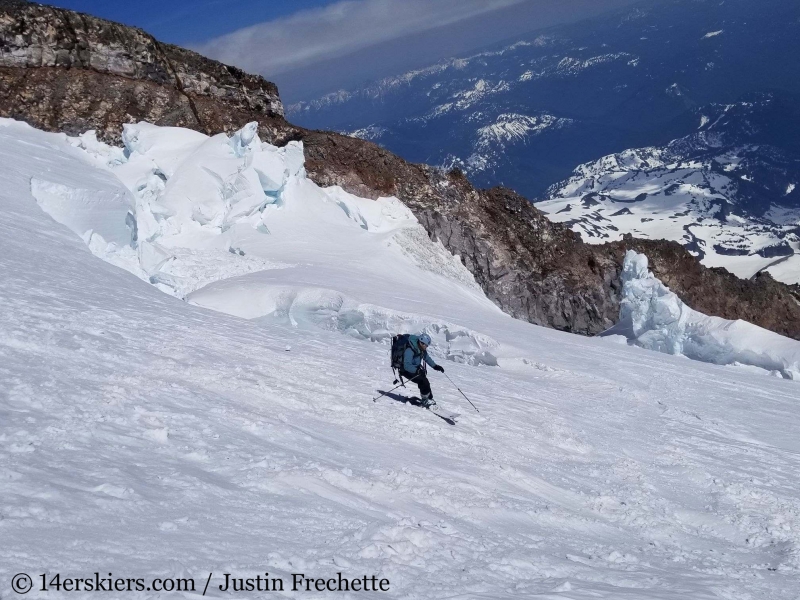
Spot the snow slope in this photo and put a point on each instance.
(146, 436)
(234, 225)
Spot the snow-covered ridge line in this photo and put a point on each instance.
(515, 127)
(462, 100)
(508, 129)
(388, 84)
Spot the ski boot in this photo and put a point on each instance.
(427, 401)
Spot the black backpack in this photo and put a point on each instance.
(399, 345)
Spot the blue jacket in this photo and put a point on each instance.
(413, 356)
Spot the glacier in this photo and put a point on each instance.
(193, 414)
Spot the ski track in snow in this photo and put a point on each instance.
(148, 437)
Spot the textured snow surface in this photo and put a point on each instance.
(655, 318)
(147, 436)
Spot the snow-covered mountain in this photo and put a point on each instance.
(244, 439)
(234, 224)
(526, 113)
(193, 328)
(56, 62)
(727, 192)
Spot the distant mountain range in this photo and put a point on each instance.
(728, 192)
(702, 95)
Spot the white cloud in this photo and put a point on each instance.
(337, 29)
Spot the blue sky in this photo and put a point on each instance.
(188, 21)
(312, 47)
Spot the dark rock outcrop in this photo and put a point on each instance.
(69, 71)
(533, 269)
(64, 71)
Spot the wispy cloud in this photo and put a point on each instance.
(335, 30)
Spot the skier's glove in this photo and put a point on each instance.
(439, 368)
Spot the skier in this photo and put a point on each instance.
(414, 359)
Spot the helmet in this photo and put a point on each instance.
(425, 339)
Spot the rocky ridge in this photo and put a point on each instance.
(64, 71)
(67, 71)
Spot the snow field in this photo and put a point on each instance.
(147, 436)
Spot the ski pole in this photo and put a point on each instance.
(459, 389)
(394, 388)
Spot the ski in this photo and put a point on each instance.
(449, 417)
(415, 401)
(435, 409)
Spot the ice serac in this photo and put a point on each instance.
(653, 317)
(233, 224)
(715, 291)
